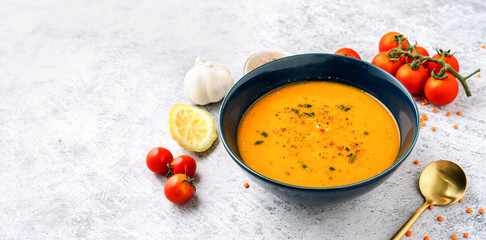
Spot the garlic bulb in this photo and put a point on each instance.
(207, 82)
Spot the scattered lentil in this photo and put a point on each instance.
(434, 110)
(461, 200)
(481, 211)
(409, 233)
(469, 210)
(434, 128)
(465, 235)
(454, 236)
(455, 127)
(448, 113)
(246, 185)
(479, 75)
(426, 238)
(440, 219)
(431, 207)
(459, 113)
(417, 162)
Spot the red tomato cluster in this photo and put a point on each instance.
(179, 187)
(437, 91)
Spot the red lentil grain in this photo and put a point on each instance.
(461, 200)
(481, 211)
(469, 210)
(434, 110)
(409, 233)
(459, 113)
(465, 235)
(454, 236)
(246, 185)
(448, 113)
(434, 128)
(455, 127)
(431, 207)
(426, 238)
(440, 219)
(416, 162)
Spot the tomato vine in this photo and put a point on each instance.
(396, 53)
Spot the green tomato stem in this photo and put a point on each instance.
(395, 53)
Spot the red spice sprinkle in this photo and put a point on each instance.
(417, 162)
(415, 98)
(465, 235)
(322, 130)
(481, 211)
(440, 219)
(246, 185)
(469, 210)
(409, 233)
(332, 142)
(479, 75)
(454, 236)
(431, 207)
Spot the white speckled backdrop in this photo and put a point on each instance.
(86, 88)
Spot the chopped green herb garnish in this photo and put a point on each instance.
(352, 158)
(331, 168)
(347, 149)
(347, 109)
(305, 105)
(304, 166)
(309, 114)
(341, 107)
(264, 134)
(295, 110)
(301, 115)
(366, 133)
(258, 142)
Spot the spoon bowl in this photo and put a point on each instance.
(441, 183)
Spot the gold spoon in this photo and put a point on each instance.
(441, 183)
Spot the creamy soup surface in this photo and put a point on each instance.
(318, 134)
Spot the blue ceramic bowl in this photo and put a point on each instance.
(319, 67)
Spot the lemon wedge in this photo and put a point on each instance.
(192, 128)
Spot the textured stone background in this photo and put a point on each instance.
(86, 88)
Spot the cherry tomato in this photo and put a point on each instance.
(414, 80)
(179, 189)
(183, 164)
(157, 160)
(388, 42)
(422, 51)
(451, 60)
(441, 91)
(381, 60)
(348, 52)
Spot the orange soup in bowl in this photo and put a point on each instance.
(318, 134)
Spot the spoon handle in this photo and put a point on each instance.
(410, 221)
